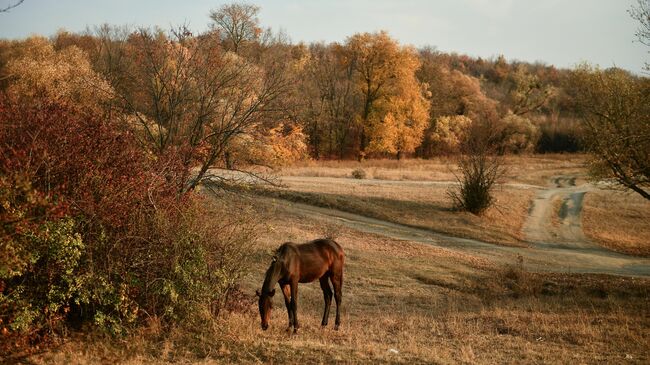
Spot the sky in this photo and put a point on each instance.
(558, 32)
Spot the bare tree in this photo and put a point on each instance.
(330, 110)
(641, 13)
(238, 22)
(194, 99)
(11, 6)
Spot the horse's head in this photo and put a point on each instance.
(265, 304)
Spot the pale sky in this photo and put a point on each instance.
(558, 32)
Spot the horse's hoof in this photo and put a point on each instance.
(336, 327)
(295, 331)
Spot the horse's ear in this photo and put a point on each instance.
(272, 293)
(257, 292)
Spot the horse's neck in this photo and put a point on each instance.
(272, 276)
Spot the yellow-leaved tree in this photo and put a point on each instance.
(63, 76)
(449, 133)
(394, 108)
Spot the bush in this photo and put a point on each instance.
(95, 229)
(518, 134)
(359, 173)
(479, 174)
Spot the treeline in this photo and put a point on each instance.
(366, 96)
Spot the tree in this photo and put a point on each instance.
(641, 13)
(194, 98)
(331, 100)
(394, 108)
(238, 22)
(453, 93)
(527, 94)
(517, 134)
(65, 75)
(449, 134)
(616, 111)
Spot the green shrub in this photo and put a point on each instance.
(39, 293)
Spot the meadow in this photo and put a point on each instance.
(411, 302)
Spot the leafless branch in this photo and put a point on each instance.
(11, 6)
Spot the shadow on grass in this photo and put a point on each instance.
(440, 218)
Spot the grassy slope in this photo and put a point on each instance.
(423, 207)
(429, 304)
(618, 221)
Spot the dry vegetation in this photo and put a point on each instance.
(414, 202)
(418, 205)
(619, 221)
(529, 169)
(112, 253)
(408, 303)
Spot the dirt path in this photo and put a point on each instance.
(557, 249)
(539, 228)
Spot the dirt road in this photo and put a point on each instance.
(539, 227)
(561, 248)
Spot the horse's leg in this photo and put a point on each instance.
(286, 291)
(337, 283)
(294, 304)
(327, 294)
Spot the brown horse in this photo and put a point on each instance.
(292, 264)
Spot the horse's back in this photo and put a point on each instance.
(313, 259)
(324, 247)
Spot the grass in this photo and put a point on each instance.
(407, 303)
(528, 169)
(417, 205)
(617, 220)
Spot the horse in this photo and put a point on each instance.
(292, 263)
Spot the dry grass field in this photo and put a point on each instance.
(533, 169)
(408, 302)
(619, 221)
(418, 205)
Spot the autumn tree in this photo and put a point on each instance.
(39, 71)
(331, 100)
(526, 92)
(517, 134)
(195, 98)
(453, 93)
(237, 24)
(448, 134)
(394, 108)
(616, 111)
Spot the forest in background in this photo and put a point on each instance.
(368, 96)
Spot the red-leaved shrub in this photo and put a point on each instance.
(95, 228)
